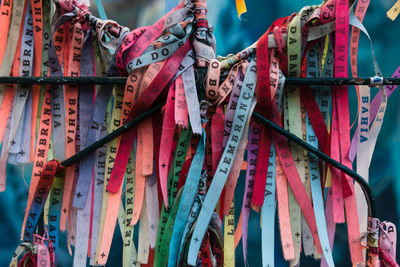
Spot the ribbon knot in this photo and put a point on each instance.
(201, 23)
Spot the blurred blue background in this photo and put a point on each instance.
(232, 36)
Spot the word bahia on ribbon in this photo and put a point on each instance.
(105, 154)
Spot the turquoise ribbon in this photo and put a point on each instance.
(241, 113)
(188, 195)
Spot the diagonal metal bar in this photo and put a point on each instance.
(369, 195)
(114, 134)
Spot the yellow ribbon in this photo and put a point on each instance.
(241, 7)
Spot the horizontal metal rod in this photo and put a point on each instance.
(364, 185)
(63, 80)
(122, 80)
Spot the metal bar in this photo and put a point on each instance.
(90, 149)
(63, 80)
(369, 195)
(122, 80)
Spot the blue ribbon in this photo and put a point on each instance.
(188, 195)
(268, 214)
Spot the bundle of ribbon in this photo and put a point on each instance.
(173, 176)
